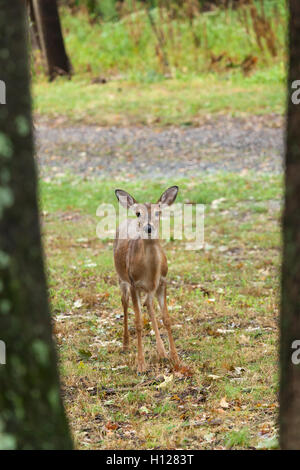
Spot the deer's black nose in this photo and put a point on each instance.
(148, 228)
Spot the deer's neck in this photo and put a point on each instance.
(150, 243)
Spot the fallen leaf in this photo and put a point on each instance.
(144, 410)
(111, 426)
(184, 370)
(78, 303)
(176, 398)
(167, 380)
(214, 377)
(223, 403)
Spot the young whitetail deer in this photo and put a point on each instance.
(142, 266)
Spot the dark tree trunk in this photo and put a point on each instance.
(35, 40)
(290, 304)
(46, 17)
(31, 410)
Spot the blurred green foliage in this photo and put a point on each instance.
(109, 10)
(218, 41)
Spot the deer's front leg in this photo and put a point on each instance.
(162, 300)
(139, 328)
(125, 301)
(159, 344)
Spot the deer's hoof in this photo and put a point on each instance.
(141, 368)
(162, 355)
(175, 360)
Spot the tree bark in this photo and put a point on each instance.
(34, 35)
(46, 16)
(290, 301)
(31, 410)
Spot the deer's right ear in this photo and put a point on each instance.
(169, 196)
(124, 198)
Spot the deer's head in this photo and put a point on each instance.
(147, 214)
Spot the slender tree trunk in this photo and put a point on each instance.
(31, 410)
(46, 16)
(35, 40)
(290, 304)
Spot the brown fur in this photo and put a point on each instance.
(141, 265)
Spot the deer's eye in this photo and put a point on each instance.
(138, 214)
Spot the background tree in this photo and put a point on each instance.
(46, 26)
(290, 308)
(31, 409)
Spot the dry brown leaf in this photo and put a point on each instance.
(223, 403)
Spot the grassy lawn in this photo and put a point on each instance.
(204, 72)
(182, 102)
(223, 303)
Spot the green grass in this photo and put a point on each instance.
(227, 339)
(129, 46)
(238, 438)
(169, 102)
(75, 194)
(140, 91)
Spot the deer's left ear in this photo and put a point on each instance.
(124, 198)
(169, 196)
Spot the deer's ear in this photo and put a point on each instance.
(169, 196)
(124, 198)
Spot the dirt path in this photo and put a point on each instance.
(222, 143)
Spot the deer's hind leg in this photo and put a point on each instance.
(125, 302)
(162, 300)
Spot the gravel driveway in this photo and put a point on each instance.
(222, 143)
